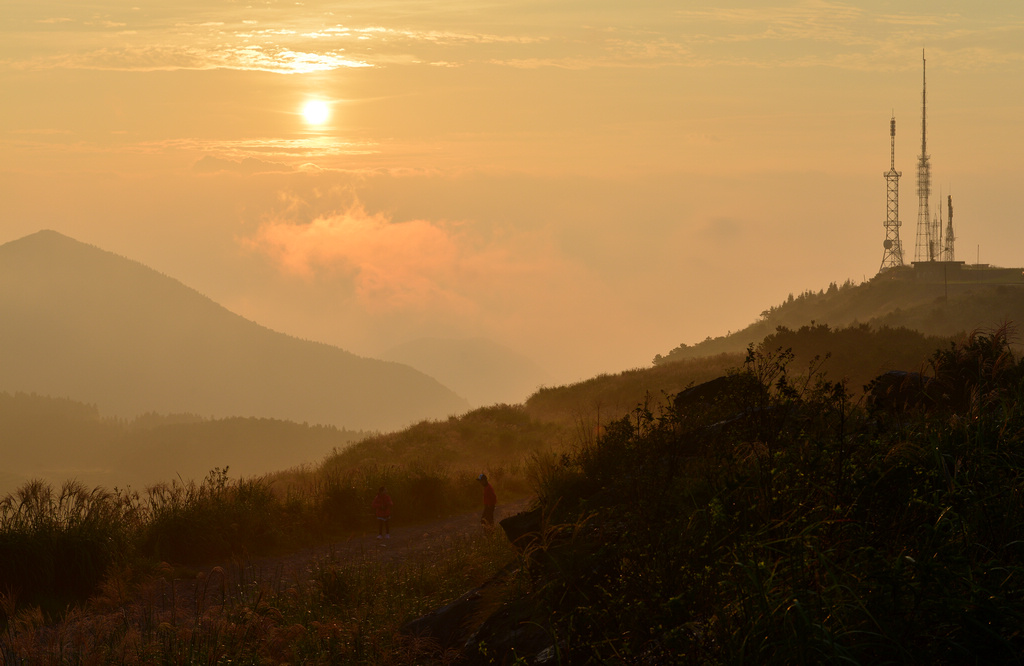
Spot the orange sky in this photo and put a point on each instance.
(589, 183)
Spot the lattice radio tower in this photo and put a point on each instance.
(893, 254)
(926, 248)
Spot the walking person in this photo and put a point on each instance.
(382, 509)
(490, 500)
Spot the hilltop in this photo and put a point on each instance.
(932, 308)
(81, 323)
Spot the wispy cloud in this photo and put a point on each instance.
(793, 33)
(212, 155)
(247, 166)
(285, 150)
(163, 58)
(842, 35)
(287, 46)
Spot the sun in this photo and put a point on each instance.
(316, 112)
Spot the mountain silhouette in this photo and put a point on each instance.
(82, 323)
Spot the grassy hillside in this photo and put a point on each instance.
(855, 354)
(930, 308)
(600, 399)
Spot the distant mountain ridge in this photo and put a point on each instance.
(83, 323)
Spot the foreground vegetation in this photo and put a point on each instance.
(783, 518)
(802, 527)
(344, 610)
(57, 546)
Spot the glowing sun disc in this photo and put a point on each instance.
(316, 112)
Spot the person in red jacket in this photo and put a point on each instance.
(490, 500)
(382, 508)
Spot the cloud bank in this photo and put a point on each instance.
(411, 266)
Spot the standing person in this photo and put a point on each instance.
(490, 499)
(382, 508)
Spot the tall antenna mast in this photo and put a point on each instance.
(893, 254)
(925, 249)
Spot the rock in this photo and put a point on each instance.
(450, 625)
(524, 528)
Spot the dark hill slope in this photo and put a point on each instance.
(933, 309)
(83, 323)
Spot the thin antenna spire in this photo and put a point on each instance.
(892, 141)
(924, 104)
(925, 248)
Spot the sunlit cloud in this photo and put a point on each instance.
(415, 265)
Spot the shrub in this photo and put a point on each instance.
(197, 523)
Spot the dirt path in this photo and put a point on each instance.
(294, 568)
(180, 601)
(407, 539)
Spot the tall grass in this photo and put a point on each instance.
(56, 547)
(344, 611)
(201, 522)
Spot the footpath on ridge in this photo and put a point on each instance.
(406, 541)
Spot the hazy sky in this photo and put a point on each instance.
(587, 182)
